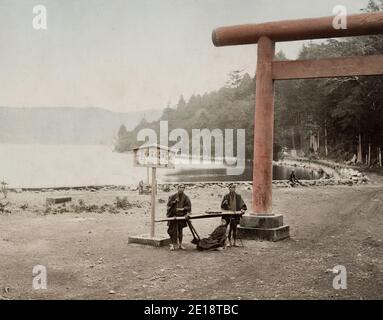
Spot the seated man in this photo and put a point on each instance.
(141, 187)
(233, 202)
(293, 179)
(216, 240)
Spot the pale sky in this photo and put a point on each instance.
(129, 55)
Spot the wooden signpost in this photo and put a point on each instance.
(153, 156)
(262, 223)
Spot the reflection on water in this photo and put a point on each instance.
(283, 173)
(219, 174)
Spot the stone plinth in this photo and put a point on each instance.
(157, 241)
(263, 227)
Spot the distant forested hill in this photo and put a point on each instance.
(65, 125)
(230, 107)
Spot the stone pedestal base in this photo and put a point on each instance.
(157, 241)
(263, 227)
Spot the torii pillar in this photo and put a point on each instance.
(262, 223)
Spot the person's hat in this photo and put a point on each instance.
(181, 186)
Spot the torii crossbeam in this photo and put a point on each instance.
(262, 223)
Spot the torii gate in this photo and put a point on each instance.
(262, 223)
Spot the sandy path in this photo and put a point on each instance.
(87, 254)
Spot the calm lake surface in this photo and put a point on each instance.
(46, 166)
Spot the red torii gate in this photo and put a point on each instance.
(262, 223)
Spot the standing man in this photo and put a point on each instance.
(233, 202)
(178, 205)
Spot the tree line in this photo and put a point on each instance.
(337, 118)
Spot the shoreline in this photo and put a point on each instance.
(197, 184)
(338, 175)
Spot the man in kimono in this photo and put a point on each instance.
(233, 202)
(178, 205)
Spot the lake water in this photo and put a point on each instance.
(36, 166)
(219, 174)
